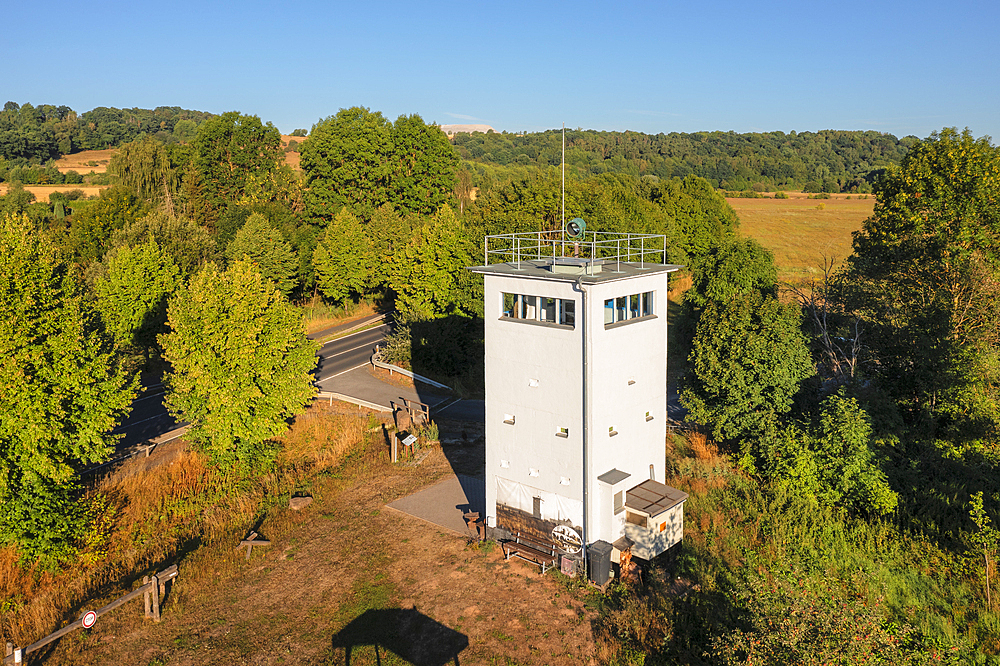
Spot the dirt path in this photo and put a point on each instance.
(348, 571)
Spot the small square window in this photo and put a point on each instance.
(563, 432)
(508, 419)
(505, 464)
(611, 431)
(533, 383)
(563, 481)
(663, 527)
(532, 471)
(619, 501)
(649, 417)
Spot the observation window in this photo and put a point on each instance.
(539, 309)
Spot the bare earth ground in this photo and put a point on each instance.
(291, 158)
(42, 192)
(80, 162)
(801, 231)
(348, 561)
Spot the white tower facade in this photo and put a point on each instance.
(576, 391)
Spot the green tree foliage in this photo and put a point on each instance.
(834, 465)
(358, 159)
(241, 363)
(261, 244)
(188, 244)
(828, 160)
(342, 259)
(424, 166)
(387, 232)
(430, 276)
(347, 161)
(90, 232)
(748, 359)
(132, 295)
(229, 152)
(924, 276)
(62, 391)
(143, 167)
(734, 267)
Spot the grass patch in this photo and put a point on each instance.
(799, 232)
(319, 315)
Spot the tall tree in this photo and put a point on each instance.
(143, 167)
(342, 259)
(924, 277)
(431, 279)
(62, 391)
(229, 151)
(748, 359)
(424, 166)
(132, 295)
(241, 363)
(348, 162)
(261, 244)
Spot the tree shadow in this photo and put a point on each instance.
(406, 632)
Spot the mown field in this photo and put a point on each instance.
(801, 231)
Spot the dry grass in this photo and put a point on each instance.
(801, 231)
(319, 315)
(86, 161)
(150, 507)
(42, 192)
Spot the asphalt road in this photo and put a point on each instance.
(149, 417)
(349, 352)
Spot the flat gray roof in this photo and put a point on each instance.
(613, 476)
(603, 270)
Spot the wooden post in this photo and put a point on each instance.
(10, 649)
(154, 592)
(145, 598)
(395, 447)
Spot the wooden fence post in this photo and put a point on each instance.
(154, 591)
(145, 597)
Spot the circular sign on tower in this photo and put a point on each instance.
(88, 619)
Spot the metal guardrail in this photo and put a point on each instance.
(377, 362)
(592, 248)
(354, 401)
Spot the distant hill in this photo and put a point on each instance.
(824, 161)
(451, 130)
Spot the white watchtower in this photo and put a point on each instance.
(576, 390)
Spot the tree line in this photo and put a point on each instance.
(824, 161)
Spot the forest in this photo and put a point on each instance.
(824, 161)
(840, 447)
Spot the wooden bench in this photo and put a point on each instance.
(542, 553)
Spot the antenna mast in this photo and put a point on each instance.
(564, 180)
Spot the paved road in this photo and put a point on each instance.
(351, 351)
(149, 417)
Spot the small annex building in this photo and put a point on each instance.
(576, 391)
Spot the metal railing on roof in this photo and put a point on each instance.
(593, 248)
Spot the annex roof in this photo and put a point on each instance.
(542, 268)
(613, 476)
(653, 498)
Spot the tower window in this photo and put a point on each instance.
(539, 309)
(624, 309)
(563, 432)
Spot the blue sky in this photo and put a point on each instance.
(898, 67)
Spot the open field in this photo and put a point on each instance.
(86, 161)
(801, 231)
(291, 158)
(42, 192)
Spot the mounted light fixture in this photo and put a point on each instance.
(576, 228)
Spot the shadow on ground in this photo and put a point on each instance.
(406, 632)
